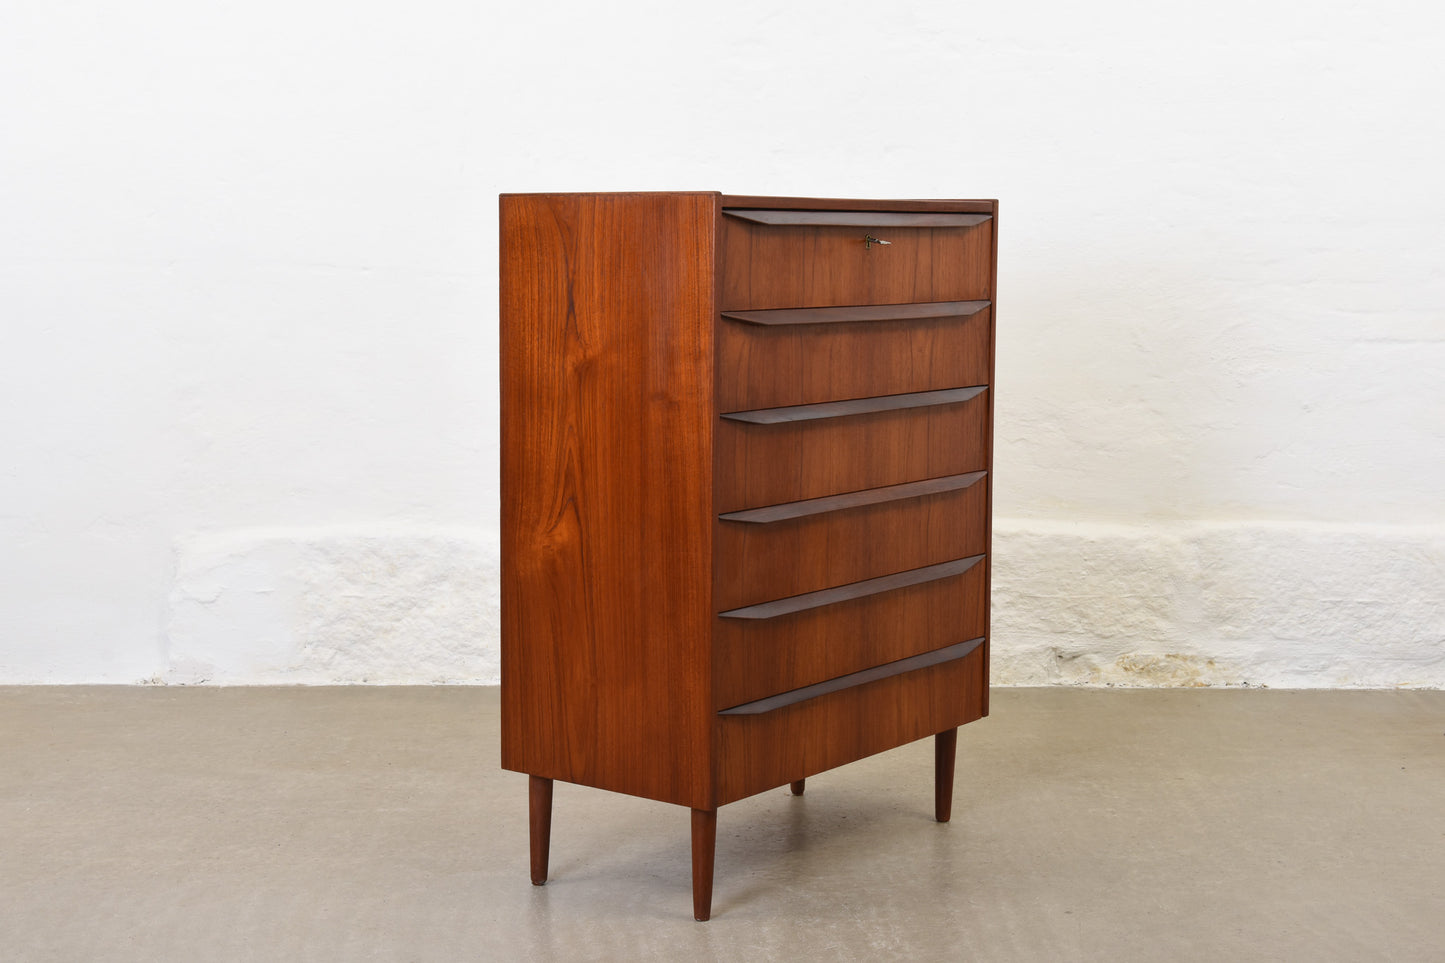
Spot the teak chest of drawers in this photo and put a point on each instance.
(746, 445)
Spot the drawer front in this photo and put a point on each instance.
(762, 751)
(793, 265)
(805, 546)
(761, 651)
(829, 449)
(774, 358)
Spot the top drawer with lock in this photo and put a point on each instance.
(775, 258)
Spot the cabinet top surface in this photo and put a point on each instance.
(798, 203)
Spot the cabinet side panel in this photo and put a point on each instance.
(607, 350)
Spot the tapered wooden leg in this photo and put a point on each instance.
(798, 786)
(540, 826)
(704, 845)
(945, 748)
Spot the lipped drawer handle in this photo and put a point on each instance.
(951, 653)
(852, 590)
(869, 240)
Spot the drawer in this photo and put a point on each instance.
(797, 356)
(800, 259)
(805, 546)
(770, 648)
(763, 750)
(774, 455)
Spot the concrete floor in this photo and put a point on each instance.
(373, 823)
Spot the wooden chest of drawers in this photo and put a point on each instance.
(746, 445)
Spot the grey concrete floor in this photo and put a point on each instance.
(199, 824)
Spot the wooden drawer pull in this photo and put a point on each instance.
(936, 657)
(859, 312)
(853, 590)
(856, 406)
(868, 496)
(857, 218)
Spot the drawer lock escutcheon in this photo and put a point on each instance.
(869, 240)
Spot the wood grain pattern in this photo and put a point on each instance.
(772, 703)
(858, 313)
(759, 465)
(767, 266)
(807, 363)
(754, 659)
(702, 415)
(857, 218)
(607, 513)
(860, 535)
(756, 753)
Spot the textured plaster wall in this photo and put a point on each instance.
(1219, 603)
(247, 292)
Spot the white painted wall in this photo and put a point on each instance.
(247, 288)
